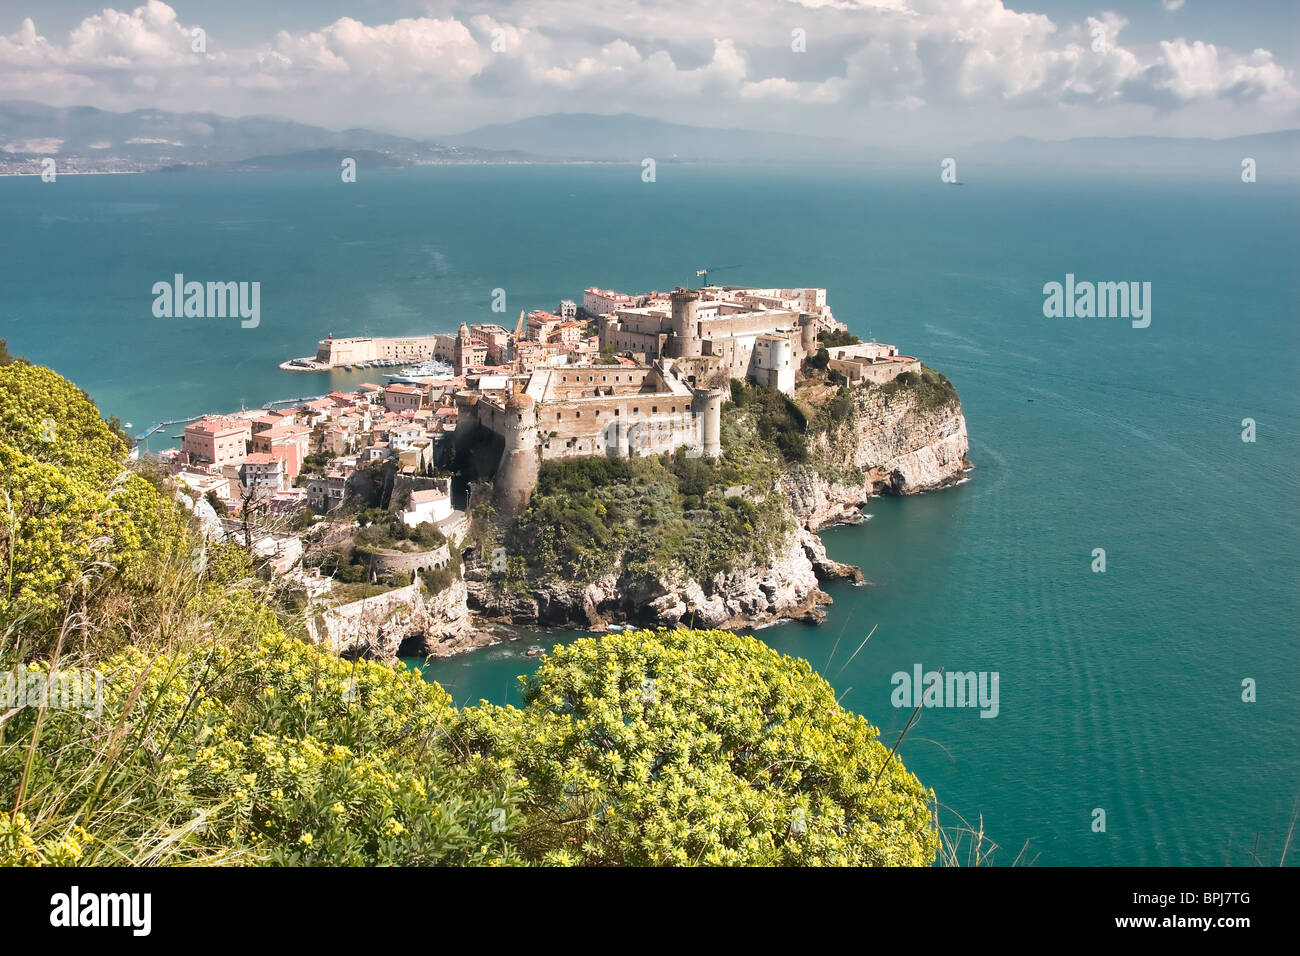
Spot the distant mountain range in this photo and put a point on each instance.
(89, 139)
(85, 139)
(1274, 153)
(626, 137)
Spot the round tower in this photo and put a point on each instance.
(707, 406)
(516, 475)
(808, 333)
(685, 341)
(466, 422)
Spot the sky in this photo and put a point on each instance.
(891, 73)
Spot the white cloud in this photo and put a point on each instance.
(674, 58)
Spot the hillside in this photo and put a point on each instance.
(724, 542)
(163, 710)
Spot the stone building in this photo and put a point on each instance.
(716, 338)
(871, 363)
(575, 411)
(217, 441)
(364, 350)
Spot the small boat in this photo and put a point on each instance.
(347, 368)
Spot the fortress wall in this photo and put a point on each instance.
(569, 430)
(392, 562)
(621, 341)
(755, 324)
(350, 351)
(878, 373)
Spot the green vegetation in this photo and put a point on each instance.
(352, 560)
(780, 421)
(591, 516)
(696, 747)
(837, 338)
(931, 389)
(219, 738)
(314, 464)
(68, 504)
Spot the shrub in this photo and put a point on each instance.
(837, 338)
(684, 747)
(269, 752)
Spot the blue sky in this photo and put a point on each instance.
(886, 72)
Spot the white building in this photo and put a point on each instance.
(601, 301)
(263, 475)
(431, 505)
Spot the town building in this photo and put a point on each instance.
(216, 441)
(430, 505)
(871, 363)
(364, 351)
(400, 398)
(263, 475)
(603, 301)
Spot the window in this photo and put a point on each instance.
(557, 416)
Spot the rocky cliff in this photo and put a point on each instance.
(889, 441)
(785, 587)
(880, 440)
(402, 622)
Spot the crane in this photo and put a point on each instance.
(707, 269)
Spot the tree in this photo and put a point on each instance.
(697, 747)
(837, 337)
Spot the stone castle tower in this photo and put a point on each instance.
(685, 340)
(808, 334)
(706, 404)
(516, 475)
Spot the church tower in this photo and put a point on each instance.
(464, 349)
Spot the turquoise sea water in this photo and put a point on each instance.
(1119, 691)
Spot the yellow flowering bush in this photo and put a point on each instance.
(696, 747)
(343, 764)
(72, 516)
(19, 848)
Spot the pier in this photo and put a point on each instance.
(158, 426)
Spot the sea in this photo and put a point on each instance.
(1123, 555)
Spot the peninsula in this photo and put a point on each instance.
(658, 458)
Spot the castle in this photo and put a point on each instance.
(651, 379)
(720, 334)
(569, 412)
(672, 361)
